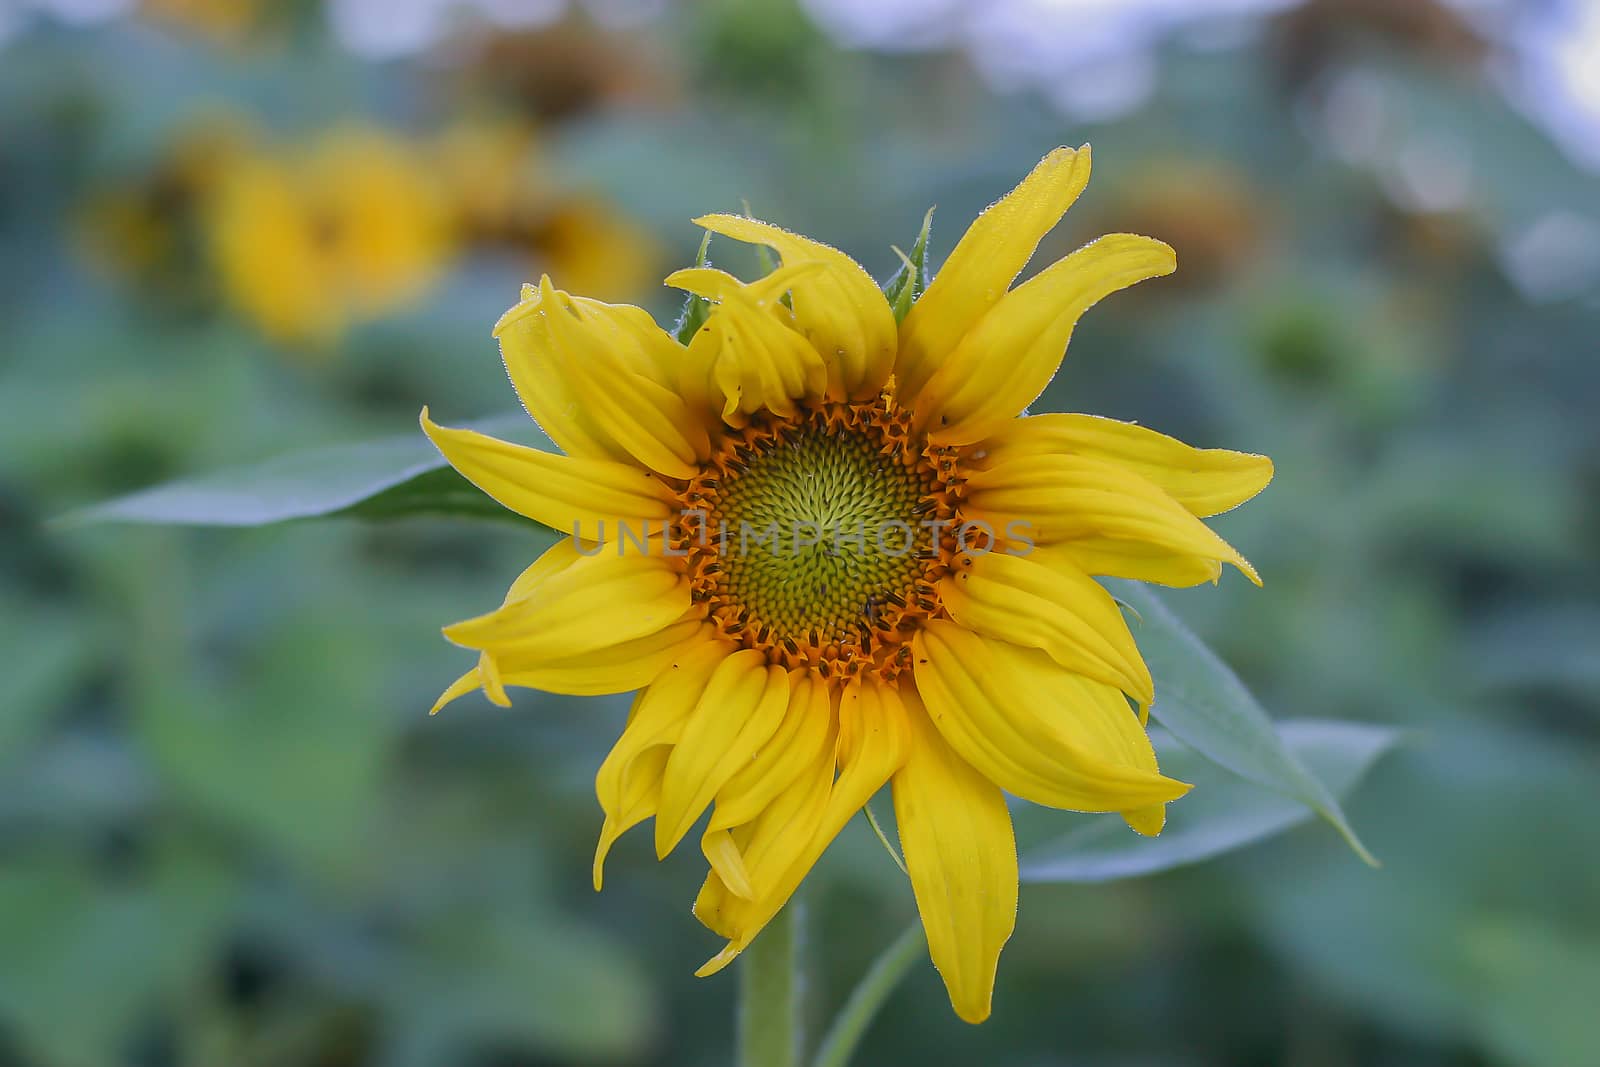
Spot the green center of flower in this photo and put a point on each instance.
(821, 536)
(819, 531)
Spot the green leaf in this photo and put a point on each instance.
(1222, 814)
(696, 308)
(1532, 985)
(911, 279)
(555, 987)
(228, 751)
(73, 937)
(1208, 708)
(390, 478)
(48, 653)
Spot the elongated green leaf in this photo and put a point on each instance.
(696, 308)
(1223, 813)
(911, 279)
(1208, 708)
(385, 479)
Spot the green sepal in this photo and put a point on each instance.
(911, 279)
(696, 308)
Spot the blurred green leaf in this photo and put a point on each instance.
(1222, 814)
(45, 656)
(546, 984)
(1208, 708)
(695, 307)
(1533, 984)
(291, 753)
(911, 279)
(82, 960)
(386, 479)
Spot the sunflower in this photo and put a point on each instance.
(308, 242)
(831, 556)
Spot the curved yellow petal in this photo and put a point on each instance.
(563, 492)
(1064, 498)
(493, 686)
(1095, 715)
(784, 844)
(727, 862)
(552, 561)
(592, 604)
(741, 708)
(457, 689)
(772, 842)
(961, 854)
(616, 668)
(657, 718)
(585, 374)
(1104, 557)
(1006, 359)
(640, 797)
(654, 353)
(840, 309)
(799, 741)
(984, 263)
(1002, 731)
(1066, 614)
(1206, 481)
(746, 356)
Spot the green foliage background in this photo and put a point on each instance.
(229, 833)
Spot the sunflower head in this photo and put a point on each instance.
(306, 243)
(831, 555)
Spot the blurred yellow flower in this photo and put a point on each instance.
(834, 557)
(501, 194)
(597, 250)
(227, 21)
(490, 171)
(142, 227)
(305, 245)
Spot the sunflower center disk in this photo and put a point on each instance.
(818, 539)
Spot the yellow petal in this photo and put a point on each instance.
(740, 709)
(799, 742)
(595, 603)
(640, 796)
(493, 687)
(984, 263)
(563, 492)
(1096, 716)
(552, 561)
(1062, 498)
(839, 309)
(747, 355)
(961, 854)
(998, 725)
(722, 852)
(1067, 614)
(618, 668)
(1107, 558)
(584, 373)
(654, 353)
(458, 689)
(657, 718)
(1006, 359)
(871, 747)
(773, 842)
(1206, 481)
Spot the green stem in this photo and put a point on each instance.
(769, 993)
(840, 1042)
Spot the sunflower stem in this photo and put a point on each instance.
(881, 979)
(770, 985)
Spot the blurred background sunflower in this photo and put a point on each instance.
(229, 834)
